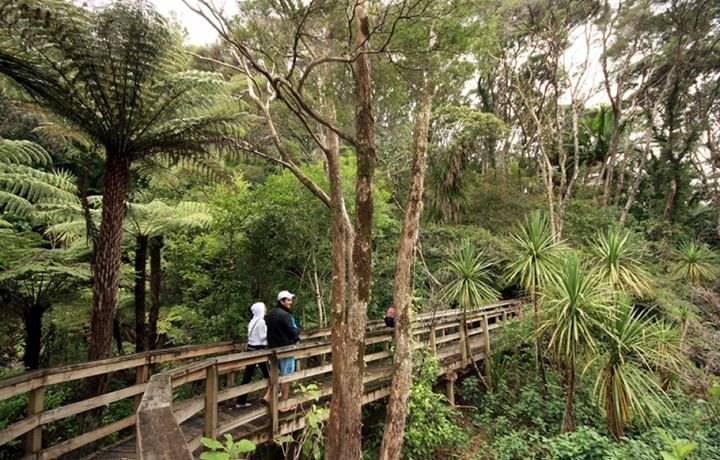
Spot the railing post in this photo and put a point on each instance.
(230, 379)
(487, 351)
(433, 343)
(274, 380)
(33, 441)
(142, 374)
(211, 400)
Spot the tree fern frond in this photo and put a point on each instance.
(15, 204)
(22, 153)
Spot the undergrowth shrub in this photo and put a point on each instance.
(431, 422)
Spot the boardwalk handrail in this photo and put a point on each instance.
(226, 364)
(156, 428)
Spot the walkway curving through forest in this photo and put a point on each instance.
(191, 391)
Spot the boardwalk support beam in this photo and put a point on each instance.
(274, 378)
(450, 378)
(211, 403)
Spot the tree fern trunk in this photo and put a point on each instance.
(141, 249)
(156, 244)
(106, 274)
(33, 335)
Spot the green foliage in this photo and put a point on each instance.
(584, 218)
(623, 386)
(539, 256)
(431, 421)
(469, 282)
(309, 441)
(141, 101)
(497, 204)
(694, 262)
(24, 185)
(516, 445)
(576, 305)
(230, 450)
(678, 449)
(582, 444)
(618, 258)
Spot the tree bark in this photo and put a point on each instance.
(33, 334)
(340, 246)
(141, 248)
(568, 420)
(402, 372)
(670, 200)
(156, 244)
(106, 273)
(615, 424)
(345, 421)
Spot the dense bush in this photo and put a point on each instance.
(521, 422)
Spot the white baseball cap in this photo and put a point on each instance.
(285, 295)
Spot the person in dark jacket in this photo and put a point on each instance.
(282, 331)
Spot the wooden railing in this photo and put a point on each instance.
(222, 361)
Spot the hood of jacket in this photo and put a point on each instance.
(258, 310)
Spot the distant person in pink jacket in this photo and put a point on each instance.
(390, 317)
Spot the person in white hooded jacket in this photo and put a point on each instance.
(257, 340)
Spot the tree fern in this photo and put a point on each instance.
(118, 75)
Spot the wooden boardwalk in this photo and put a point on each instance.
(210, 380)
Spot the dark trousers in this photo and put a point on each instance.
(249, 371)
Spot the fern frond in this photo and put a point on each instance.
(117, 74)
(22, 153)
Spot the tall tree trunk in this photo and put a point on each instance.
(612, 156)
(402, 372)
(33, 334)
(156, 244)
(141, 248)
(106, 274)
(317, 288)
(345, 421)
(623, 170)
(568, 420)
(670, 200)
(635, 187)
(340, 246)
